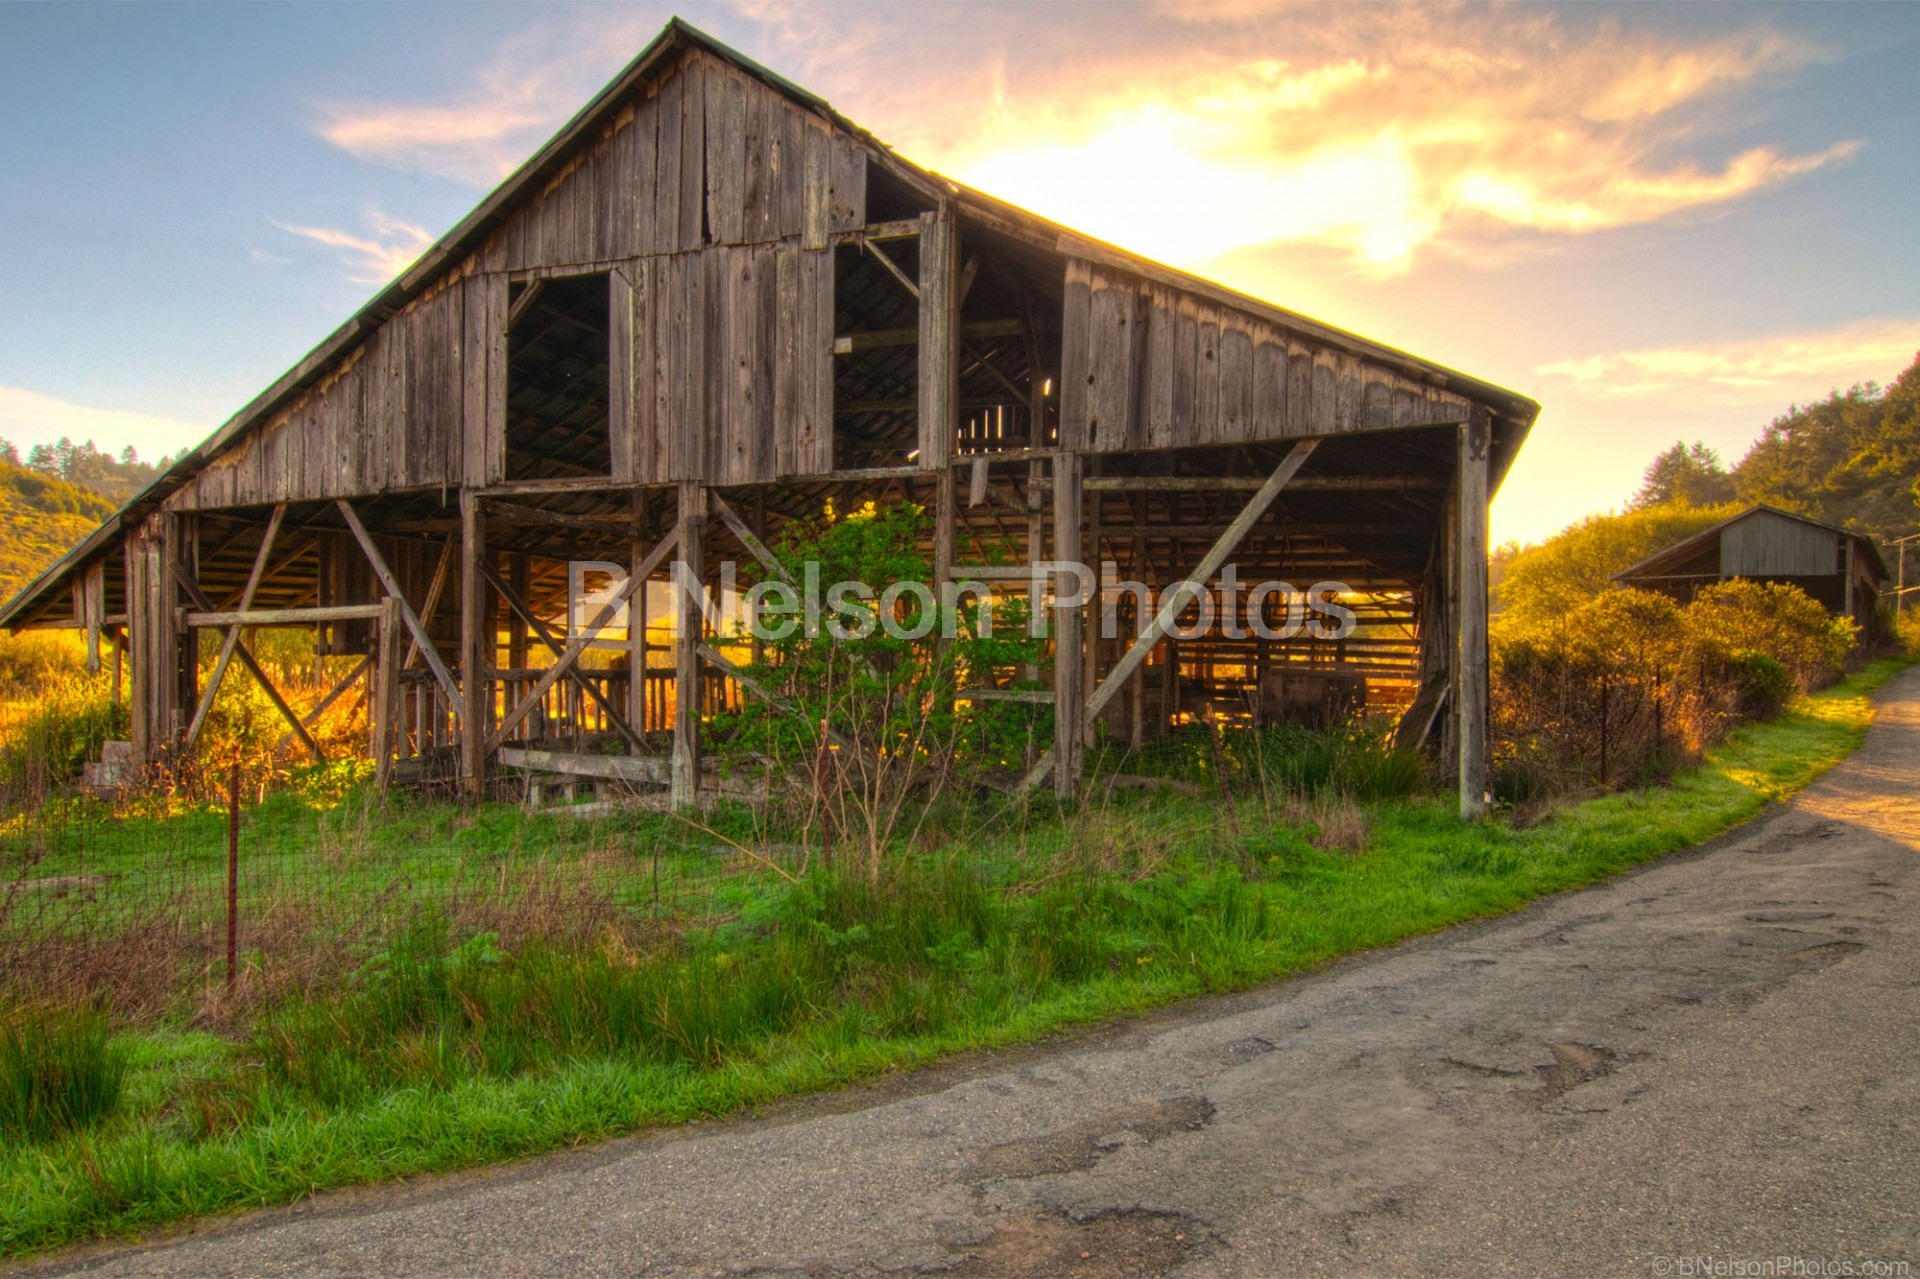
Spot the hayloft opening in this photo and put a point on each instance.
(558, 387)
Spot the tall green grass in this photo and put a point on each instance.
(59, 1071)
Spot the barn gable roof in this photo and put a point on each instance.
(526, 184)
(1654, 564)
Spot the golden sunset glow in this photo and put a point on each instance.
(1378, 158)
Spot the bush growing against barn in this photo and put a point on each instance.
(1629, 685)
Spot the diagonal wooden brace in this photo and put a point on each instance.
(232, 640)
(184, 580)
(545, 635)
(1163, 621)
(391, 585)
(552, 675)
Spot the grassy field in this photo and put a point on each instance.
(456, 1040)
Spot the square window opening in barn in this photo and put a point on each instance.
(558, 378)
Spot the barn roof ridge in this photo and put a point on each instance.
(1714, 530)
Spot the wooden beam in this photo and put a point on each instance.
(938, 385)
(688, 621)
(232, 637)
(435, 589)
(1069, 714)
(516, 513)
(476, 649)
(873, 339)
(564, 484)
(755, 547)
(893, 268)
(285, 616)
(1470, 665)
(524, 303)
(391, 584)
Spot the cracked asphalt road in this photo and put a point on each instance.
(1715, 1056)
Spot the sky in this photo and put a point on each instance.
(1661, 221)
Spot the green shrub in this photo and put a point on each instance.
(59, 1070)
(1762, 686)
(1778, 620)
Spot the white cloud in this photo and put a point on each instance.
(28, 418)
(386, 248)
(532, 83)
(1773, 370)
(1199, 128)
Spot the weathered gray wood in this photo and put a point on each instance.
(687, 631)
(1470, 666)
(383, 705)
(391, 584)
(938, 386)
(650, 769)
(874, 339)
(284, 616)
(1069, 714)
(1110, 369)
(1076, 356)
(739, 528)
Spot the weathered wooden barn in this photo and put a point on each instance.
(1836, 566)
(709, 306)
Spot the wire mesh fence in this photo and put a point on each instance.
(136, 903)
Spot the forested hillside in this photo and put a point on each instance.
(40, 517)
(1852, 459)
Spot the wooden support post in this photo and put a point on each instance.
(939, 336)
(477, 639)
(637, 634)
(688, 633)
(1036, 551)
(1470, 684)
(1069, 709)
(384, 705)
(944, 531)
(1090, 643)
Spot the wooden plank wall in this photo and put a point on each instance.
(711, 201)
(1763, 544)
(1149, 366)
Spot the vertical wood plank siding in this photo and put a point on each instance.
(710, 201)
(1144, 365)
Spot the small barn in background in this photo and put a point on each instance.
(712, 307)
(1840, 568)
